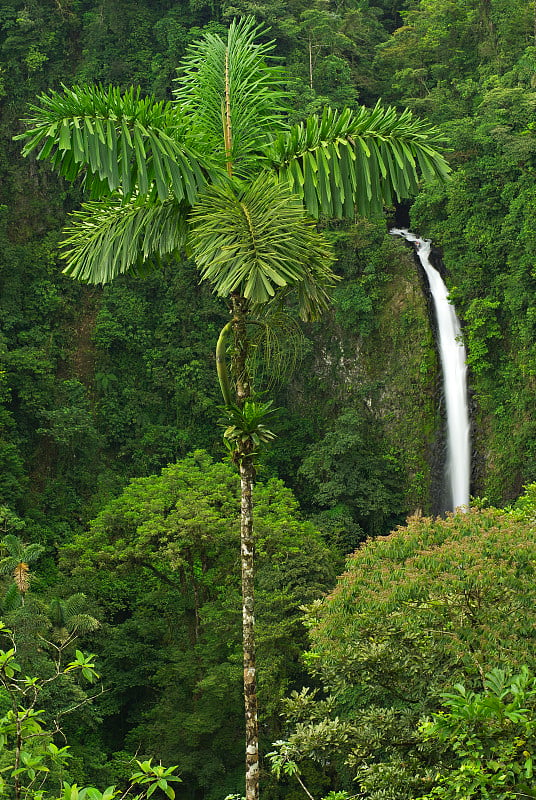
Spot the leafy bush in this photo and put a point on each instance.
(492, 735)
(435, 603)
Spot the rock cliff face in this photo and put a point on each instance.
(413, 403)
(372, 385)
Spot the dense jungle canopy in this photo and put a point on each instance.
(112, 466)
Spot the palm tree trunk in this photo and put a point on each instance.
(244, 458)
(247, 551)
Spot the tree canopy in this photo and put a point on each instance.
(436, 603)
(151, 160)
(162, 561)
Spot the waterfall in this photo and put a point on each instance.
(453, 363)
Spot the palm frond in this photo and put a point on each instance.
(19, 550)
(227, 88)
(117, 141)
(345, 160)
(110, 238)
(12, 598)
(56, 612)
(276, 346)
(82, 623)
(32, 552)
(7, 565)
(74, 605)
(14, 546)
(254, 238)
(70, 616)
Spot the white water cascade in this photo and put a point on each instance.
(453, 363)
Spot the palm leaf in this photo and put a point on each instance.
(19, 551)
(110, 238)
(74, 605)
(227, 83)
(254, 238)
(82, 623)
(116, 141)
(8, 564)
(12, 598)
(70, 615)
(276, 344)
(56, 612)
(32, 552)
(344, 160)
(14, 546)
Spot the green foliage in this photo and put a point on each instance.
(163, 396)
(70, 617)
(162, 561)
(155, 777)
(128, 147)
(120, 42)
(160, 404)
(34, 766)
(328, 50)
(31, 761)
(469, 72)
(255, 239)
(492, 734)
(484, 249)
(147, 150)
(385, 379)
(85, 664)
(239, 67)
(35, 43)
(436, 602)
(349, 467)
(370, 157)
(245, 427)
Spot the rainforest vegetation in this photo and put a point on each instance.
(413, 673)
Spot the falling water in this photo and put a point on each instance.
(453, 362)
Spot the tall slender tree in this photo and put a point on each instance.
(221, 172)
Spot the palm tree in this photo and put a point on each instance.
(69, 617)
(221, 173)
(17, 562)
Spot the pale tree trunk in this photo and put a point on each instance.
(247, 550)
(244, 458)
